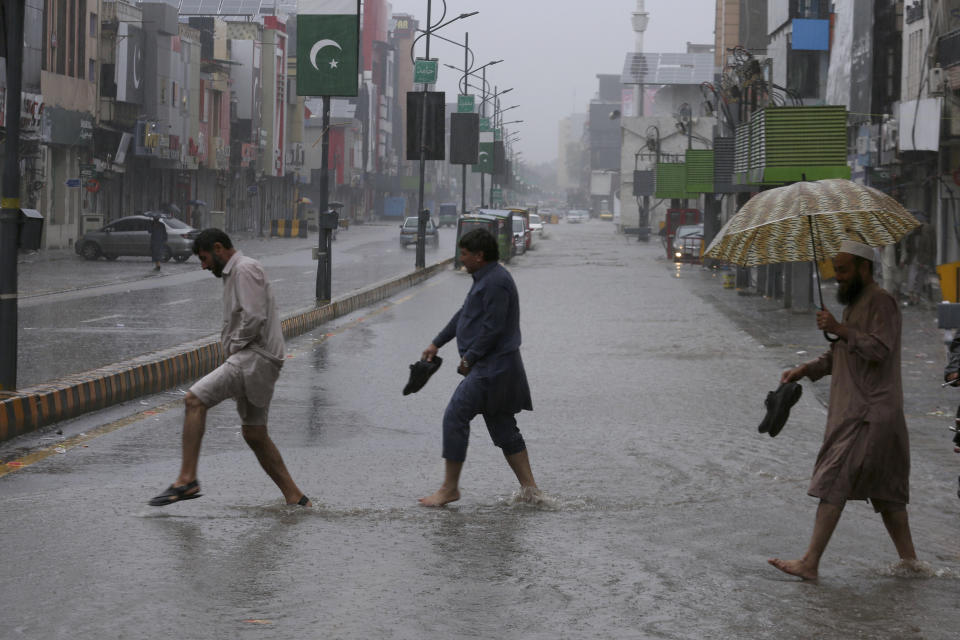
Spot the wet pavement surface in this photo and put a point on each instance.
(76, 315)
(662, 500)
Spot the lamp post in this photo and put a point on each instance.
(421, 217)
(464, 86)
(496, 109)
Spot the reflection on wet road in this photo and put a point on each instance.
(663, 500)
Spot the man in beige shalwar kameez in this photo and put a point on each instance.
(866, 452)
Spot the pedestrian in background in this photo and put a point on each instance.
(252, 343)
(920, 258)
(865, 453)
(158, 240)
(487, 329)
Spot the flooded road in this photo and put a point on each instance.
(76, 315)
(663, 502)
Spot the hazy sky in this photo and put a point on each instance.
(552, 51)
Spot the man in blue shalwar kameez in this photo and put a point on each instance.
(487, 329)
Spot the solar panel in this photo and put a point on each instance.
(668, 68)
(227, 7)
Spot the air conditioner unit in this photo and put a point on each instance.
(936, 81)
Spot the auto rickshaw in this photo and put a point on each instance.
(528, 233)
(498, 222)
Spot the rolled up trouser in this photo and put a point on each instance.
(468, 401)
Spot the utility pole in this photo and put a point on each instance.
(10, 203)
(421, 260)
(326, 220)
(466, 70)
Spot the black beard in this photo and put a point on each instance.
(849, 292)
(217, 268)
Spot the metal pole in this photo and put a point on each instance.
(324, 271)
(466, 69)
(421, 260)
(483, 113)
(493, 168)
(10, 203)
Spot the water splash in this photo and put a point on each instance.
(916, 569)
(532, 497)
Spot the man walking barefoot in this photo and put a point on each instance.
(252, 343)
(487, 329)
(866, 452)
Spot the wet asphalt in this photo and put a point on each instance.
(662, 500)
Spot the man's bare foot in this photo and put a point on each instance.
(794, 568)
(441, 497)
(531, 495)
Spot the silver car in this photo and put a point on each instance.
(130, 236)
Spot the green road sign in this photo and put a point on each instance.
(465, 104)
(485, 125)
(425, 71)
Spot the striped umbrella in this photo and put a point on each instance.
(807, 220)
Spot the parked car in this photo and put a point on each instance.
(528, 232)
(687, 243)
(448, 214)
(519, 236)
(536, 225)
(577, 216)
(130, 236)
(408, 232)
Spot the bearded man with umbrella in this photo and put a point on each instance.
(866, 452)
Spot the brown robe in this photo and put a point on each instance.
(866, 451)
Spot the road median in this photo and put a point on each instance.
(34, 407)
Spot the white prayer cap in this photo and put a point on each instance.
(857, 249)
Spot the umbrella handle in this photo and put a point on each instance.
(829, 338)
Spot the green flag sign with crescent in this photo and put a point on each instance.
(328, 47)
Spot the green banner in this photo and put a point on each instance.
(327, 54)
(485, 157)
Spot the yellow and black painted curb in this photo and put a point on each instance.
(288, 228)
(34, 407)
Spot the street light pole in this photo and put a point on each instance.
(421, 213)
(483, 114)
(421, 260)
(496, 95)
(10, 203)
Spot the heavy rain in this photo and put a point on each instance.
(234, 235)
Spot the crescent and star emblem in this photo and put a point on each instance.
(315, 49)
(137, 57)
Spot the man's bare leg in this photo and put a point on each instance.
(194, 425)
(449, 491)
(270, 459)
(807, 567)
(898, 526)
(520, 463)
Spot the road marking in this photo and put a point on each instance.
(116, 315)
(168, 304)
(75, 441)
